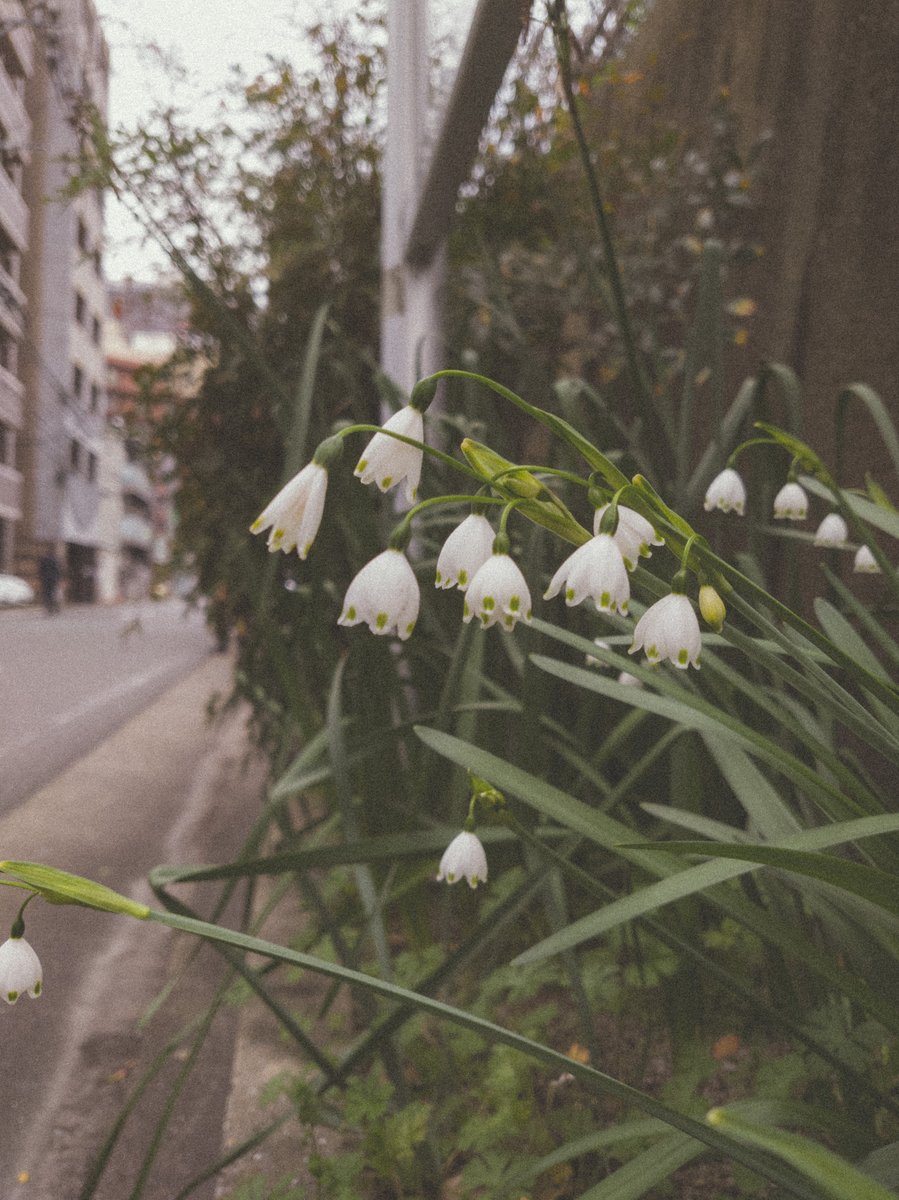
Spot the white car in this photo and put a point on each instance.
(14, 590)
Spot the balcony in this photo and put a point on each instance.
(15, 117)
(13, 212)
(18, 33)
(135, 481)
(10, 493)
(12, 393)
(135, 531)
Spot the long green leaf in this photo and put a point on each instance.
(700, 878)
(835, 1177)
(654, 1165)
(876, 886)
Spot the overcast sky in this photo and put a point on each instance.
(207, 38)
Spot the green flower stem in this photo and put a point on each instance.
(432, 501)
(18, 925)
(642, 389)
(595, 1080)
(560, 427)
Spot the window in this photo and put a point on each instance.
(82, 236)
(80, 308)
(77, 381)
(95, 397)
(96, 331)
(91, 467)
(7, 445)
(75, 455)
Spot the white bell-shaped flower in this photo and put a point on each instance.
(727, 492)
(626, 679)
(595, 569)
(20, 970)
(386, 460)
(464, 858)
(384, 595)
(833, 531)
(633, 536)
(590, 660)
(464, 552)
(864, 562)
(498, 593)
(669, 629)
(791, 503)
(296, 512)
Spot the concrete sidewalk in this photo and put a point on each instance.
(166, 787)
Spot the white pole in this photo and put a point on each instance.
(410, 298)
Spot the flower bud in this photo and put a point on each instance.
(711, 606)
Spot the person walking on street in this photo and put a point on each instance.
(48, 570)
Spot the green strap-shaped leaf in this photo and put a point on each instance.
(836, 1178)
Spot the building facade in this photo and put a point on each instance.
(63, 365)
(16, 62)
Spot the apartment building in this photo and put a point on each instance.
(63, 365)
(16, 59)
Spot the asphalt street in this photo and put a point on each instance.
(69, 680)
(110, 717)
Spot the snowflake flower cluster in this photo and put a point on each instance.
(475, 558)
(727, 492)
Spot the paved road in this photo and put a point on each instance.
(167, 786)
(68, 681)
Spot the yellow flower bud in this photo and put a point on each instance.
(711, 606)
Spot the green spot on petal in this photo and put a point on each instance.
(12, 997)
(37, 989)
(361, 465)
(683, 657)
(463, 578)
(466, 611)
(451, 877)
(351, 612)
(438, 578)
(569, 593)
(410, 627)
(488, 603)
(514, 603)
(381, 620)
(652, 651)
(386, 482)
(256, 526)
(605, 600)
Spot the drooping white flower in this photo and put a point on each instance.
(590, 660)
(791, 503)
(727, 492)
(498, 593)
(464, 552)
(20, 970)
(384, 595)
(633, 536)
(464, 858)
(833, 531)
(386, 460)
(595, 569)
(865, 563)
(669, 629)
(628, 680)
(296, 512)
